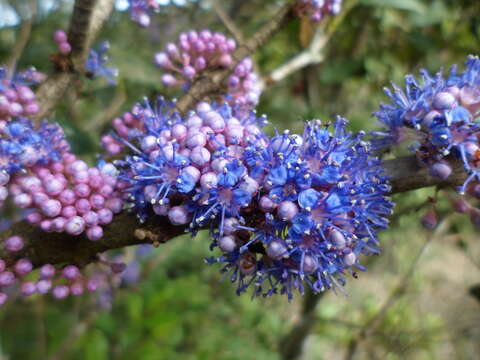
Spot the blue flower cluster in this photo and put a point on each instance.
(96, 64)
(322, 200)
(23, 145)
(439, 115)
(286, 211)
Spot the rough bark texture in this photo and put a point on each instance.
(87, 19)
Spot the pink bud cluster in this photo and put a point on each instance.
(59, 282)
(16, 100)
(68, 196)
(197, 52)
(316, 10)
(194, 151)
(127, 126)
(61, 39)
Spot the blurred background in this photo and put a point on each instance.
(419, 300)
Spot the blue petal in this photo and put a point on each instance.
(186, 184)
(308, 198)
(241, 197)
(300, 224)
(458, 114)
(278, 176)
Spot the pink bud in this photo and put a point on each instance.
(14, 243)
(28, 288)
(168, 80)
(95, 233)
(200, 156)
(44, 286)
(266, 204)
(60, 36)
(22, 200)
(61, 291)
(178, 215)
(195, 138)
(23, 267)
(179, 132)
(69, 211)
(75, 225)
(105, 216)
(76, 289)
(310, 264)
(193, 172)
(287, 210)
(114, 204)
(64, 48)
(227, 243)
(47, 271)
(97, 201)
(51, 208)
(7, 278)
(162, 60)
(208, 180)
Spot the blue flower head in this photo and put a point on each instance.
(22, 145)
(440, 113)
(316, 237)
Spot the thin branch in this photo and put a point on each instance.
(291, 345)
(87, 19)
(372, 325)
(23, 37)
(103, 118)
(213, 80)
(227, 21)
(313, 54)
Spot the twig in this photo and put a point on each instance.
(75, 332)
(291, 344)
(213, 80)
(313, 53)
(87, 19)
(99, 121)
(23, 37)
(227, 21)
(372, 325)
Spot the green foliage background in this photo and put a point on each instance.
(181, 309)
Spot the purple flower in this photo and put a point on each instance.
(439, 113)
(97, 64)
(316, 238)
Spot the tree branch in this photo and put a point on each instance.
(87, 19)
(213, 80)
(23, 37)
(56, 248)
(291, 345)
(227, 21)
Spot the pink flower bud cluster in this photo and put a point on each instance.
(316, 10)
(125, 127)
(19, 276)
(68, 196)
(16, 98)
(176, 155)
(61, 39)
(197, 52)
